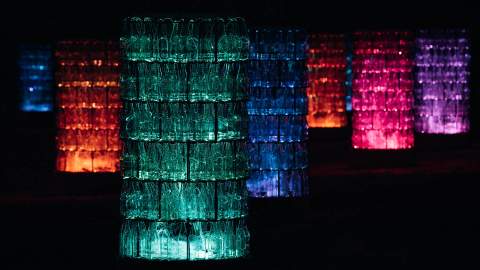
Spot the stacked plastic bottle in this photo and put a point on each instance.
(382, 91)
(36, 78)
(277, 109)
(88, 106)
(184, 128)
(442, 94)
(327, 73)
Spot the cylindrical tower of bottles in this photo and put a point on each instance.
(36, 78)
(184, 128)
(382, 91)
(442, 93)
(327, 74)
(88, 106)
(277, 111)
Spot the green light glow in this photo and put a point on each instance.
(184, 128)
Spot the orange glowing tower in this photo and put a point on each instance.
(88, 106)
(327, 71)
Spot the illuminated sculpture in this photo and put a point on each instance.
(327, 63)
(88, 105)
(277, 110)
(36, 78)
(441, 88)
(184, 128)
(382, 91)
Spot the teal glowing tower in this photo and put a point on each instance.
(184, 128)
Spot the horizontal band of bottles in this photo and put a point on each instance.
(386, 120)
(277, 74)
(394, 101)
(283, 128)
(278, 156)
(289, 183)
(278, 44)
(277, 101)
(184, 82)
(170, 201)
(184, 40)
(185, 162)
(171, 121)
(326, 102)
(88, 119)
(88, 161)
(88, 140)
(198, 240)
(443, 124)
(383, 138)
(79, 98)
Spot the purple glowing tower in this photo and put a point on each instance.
(441, 86)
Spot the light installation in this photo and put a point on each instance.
(327, 81)
(184, 128)
(382, 84)
(277, 109)
(441, 87)
(88, 106)
(36, 78)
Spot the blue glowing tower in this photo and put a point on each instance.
(36, 78)
(277, 109)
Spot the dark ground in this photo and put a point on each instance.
(409, 211)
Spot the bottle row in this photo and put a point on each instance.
(184, 82)
(278, 156)
(279, 183)
(277, 101)
(87, 161)
(443, 123)
(152, 121)
(218, 161)
(278, 44)
(443, 76)
(277, 74)
(88, 119)
(382, 100)
(438, 107)
(87, 53)
(383, 120)
(438, 93)
(88, 98)
(283, 128)
(184, 40)
(195, 240)
(326, 102)
(383, 138)
(170, 201)
(88, 140)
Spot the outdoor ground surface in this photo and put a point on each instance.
(415, 210)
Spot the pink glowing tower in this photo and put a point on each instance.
(382, 91)
(441, 83)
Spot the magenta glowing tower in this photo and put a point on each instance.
(382, 91)
(441, 83)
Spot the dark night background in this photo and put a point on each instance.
(412, 210)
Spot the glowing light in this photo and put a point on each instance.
(326, 90)
(88, 103)
(36, 78)
(184, 128)
(382, 91)
(442, 94)
(277, 109)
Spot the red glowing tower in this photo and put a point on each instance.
(327, 66)
(88, 105)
